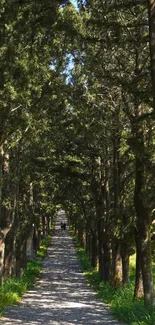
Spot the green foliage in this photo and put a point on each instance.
(70, 83)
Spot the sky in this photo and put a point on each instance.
(74, 2)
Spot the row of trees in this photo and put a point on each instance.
(77, 129)
(113, 206)
(29, 43)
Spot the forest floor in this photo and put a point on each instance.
(61, 296)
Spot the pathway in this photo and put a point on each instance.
(62, 295)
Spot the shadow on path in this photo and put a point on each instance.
(62, 295)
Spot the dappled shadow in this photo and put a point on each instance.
(62, 295)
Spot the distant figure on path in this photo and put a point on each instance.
(64, 226)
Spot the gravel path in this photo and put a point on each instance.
(62, 295)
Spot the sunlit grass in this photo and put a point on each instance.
(13, 288)
(84, 260)
(43, 248)
(123, 307)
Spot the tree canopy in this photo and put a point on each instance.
(77, 131)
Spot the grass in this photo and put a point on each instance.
(43, 248)
(13, 288)
(120, 300)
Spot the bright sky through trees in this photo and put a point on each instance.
(74, 3)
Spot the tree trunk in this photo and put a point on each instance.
(107, 261)
(9, 267)
(43, 226)
(107, 231)
(3, 234)
(29, 245)
(125, 265)
(2, 248)
(5, 215)
(138, 291)
(9, 260)
(88, 243)
(100, 249)
(116, 265)
(1, 182)
(143, 222)
(81, 234)
(98, 191)
(36, 239)
(20, 255)
(94, 249)
(151, 14)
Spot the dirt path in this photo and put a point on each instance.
(62, 295)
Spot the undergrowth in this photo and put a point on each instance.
(13, 288)
(120, 300)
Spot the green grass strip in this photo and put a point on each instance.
(13, 288)
(120, 300)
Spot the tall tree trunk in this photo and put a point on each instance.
(81, 234)
(1, 233)
(143, 222)
(94, 249)
(36, 239)
(43, 226)
(5, 219)
(29, 244)
(107, 231)
(98, 190)
(20, 256)
(116, 254)
(100, 248)
(88, 249)
(9, 260)
(1, 181)
(116, 265)
(9, 268)
(125, 262)
(107, 260)
(151, 13)
(2, 248)
(138, 291)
